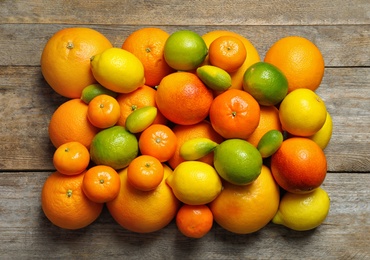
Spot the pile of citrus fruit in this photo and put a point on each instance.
(187, 128)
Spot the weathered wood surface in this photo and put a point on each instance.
(341, 29)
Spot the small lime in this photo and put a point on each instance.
(270, 143)
(93, 90)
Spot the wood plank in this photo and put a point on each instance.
(28, 103)
(341, 45)
(27, 233)
(218, 12)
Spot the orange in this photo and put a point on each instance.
(71, 158)
(269, 120)
(101, 183)
(234, 114)
(227, 53)
(183, 98)
(187, 132)
(244, 209)
(194, 221)
(144, 211)
(158, 141)
(141, 97)
(65, 59)
(103, 111)
(145, 172)
(299, 165)
(147, 44)
(252, 54)
(65, 204)
(300, 60)
(69, 122)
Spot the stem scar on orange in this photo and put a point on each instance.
(228, 53)
(71, 158)
(103, 111)
(101, 183)
(234, 114)
(145, 173)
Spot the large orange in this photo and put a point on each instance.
(187, 132)
(234, 114)
(300, 60)
(65, 60)
(245, 209)
(144, 211)
(147, 44)
(69, 123)
(299, 165)
(252, 54)
(65, 204)
(141, 97)
(183, 98)
(269, 120)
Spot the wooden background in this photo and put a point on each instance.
(341, 29)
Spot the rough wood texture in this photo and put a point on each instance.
(341, 29)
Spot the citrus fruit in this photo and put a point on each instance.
(65, 59)
(101, 183)
(144, 211)
(237, 161)
(244, 209)
(148, 45)
(65, 204)
(197, 148)
(270, 143)
(188, 132)
(302, 112)
(158, 141)
(103, 111)
(214, 77)
(323, 136)
(145, 172)
(252, 54)
(71, 158)
(299, 165)
(195, 183)
(303, 212)
(183, 98)
(234, 114)
(185, 50)
(118, 70)
(266, 83)
(227, 52)
(299, 59)
(269, 120)
(141, 97)
(69, 123)
(140, 119)
(93, 90)
(115, 147)
(194, 221)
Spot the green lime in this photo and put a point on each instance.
(115, 147)
(93, 90)
(237, 161)
(214, 77)
(266, 83)
(270, 143)
(185, 50)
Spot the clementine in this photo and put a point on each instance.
(103, 111)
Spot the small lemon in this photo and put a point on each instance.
(195, 183)
(323, 136)
(303, 211)
(118, 70)
(302, 112)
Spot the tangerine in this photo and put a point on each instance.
(194, 221)
(103, 111)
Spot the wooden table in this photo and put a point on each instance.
(341, 29)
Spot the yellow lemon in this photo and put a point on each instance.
(302, 112)
(323, 136)
(195, 183)
(303, 211)
(118, 70)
